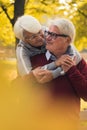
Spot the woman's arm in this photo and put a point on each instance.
(23, 61)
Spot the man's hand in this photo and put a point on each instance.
(42, 75)
(66, 62)
(61, 60)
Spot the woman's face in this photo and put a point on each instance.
(35, 40)
(56, 44)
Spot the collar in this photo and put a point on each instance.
(49, 56)
(70, 50)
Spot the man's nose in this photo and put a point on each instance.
(48, 38)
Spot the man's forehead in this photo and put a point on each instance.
(54, 28)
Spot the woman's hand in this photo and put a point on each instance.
(42, 75)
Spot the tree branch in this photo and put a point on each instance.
(82, 13)
(5, 10)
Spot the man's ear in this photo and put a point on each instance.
(68, 40)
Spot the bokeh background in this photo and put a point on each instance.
(43, 10)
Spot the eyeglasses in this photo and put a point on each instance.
(54, 35)
(31, 37)
(34, 36)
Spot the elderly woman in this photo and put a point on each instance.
(28, 30)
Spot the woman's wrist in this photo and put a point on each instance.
(57, 63)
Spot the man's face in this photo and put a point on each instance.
(35, 40)
(57, 43)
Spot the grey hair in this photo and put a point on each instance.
(65, 26)
(28, 23)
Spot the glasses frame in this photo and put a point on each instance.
(54, 35)
(32, 37)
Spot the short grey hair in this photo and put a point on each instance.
(27, 23)
(65, 26)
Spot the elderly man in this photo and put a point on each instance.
(61, 95)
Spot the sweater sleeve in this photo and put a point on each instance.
(50, 66)
(56, 71)
(23, 61)
(78, 77)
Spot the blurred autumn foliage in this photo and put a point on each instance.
(14, 111)
(75, 10)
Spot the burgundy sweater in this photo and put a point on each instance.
(68, 88)
(73, 83)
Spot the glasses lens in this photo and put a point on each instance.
(35, 36)
(51, 34)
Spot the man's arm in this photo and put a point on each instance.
(78, 77)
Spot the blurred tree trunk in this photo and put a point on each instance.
(18, 11)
